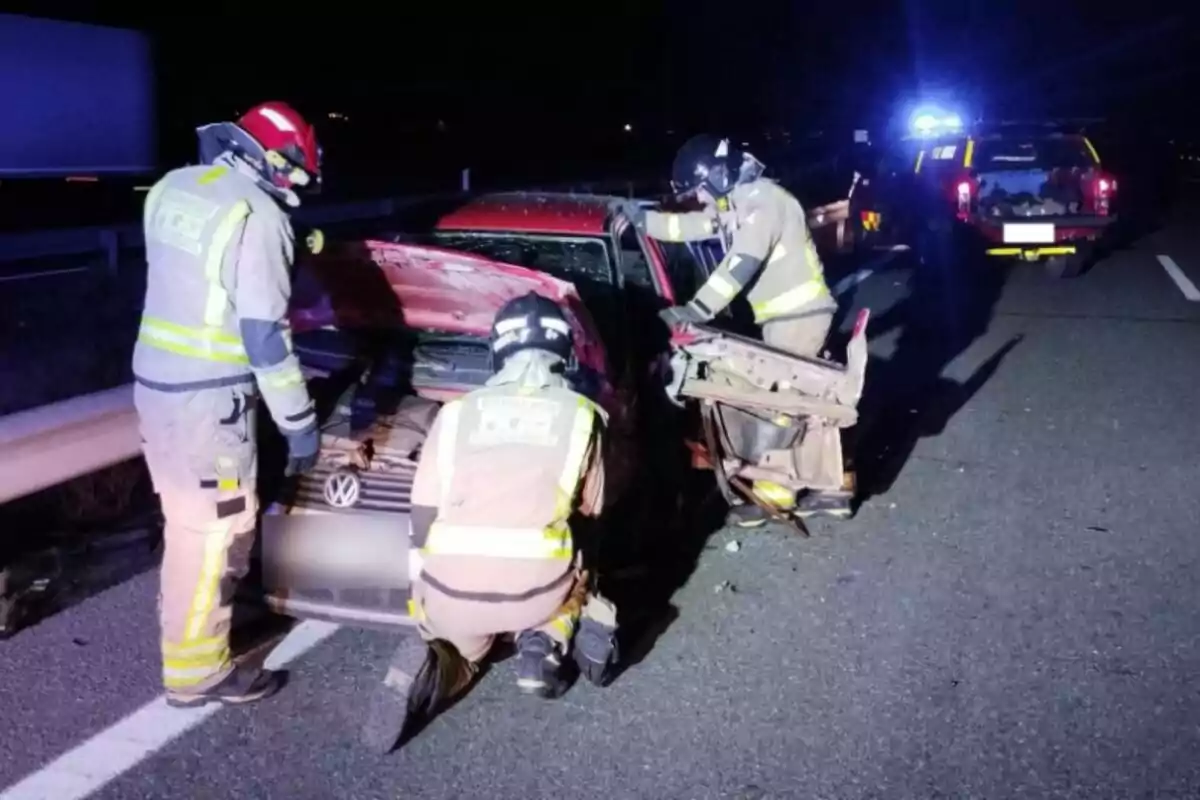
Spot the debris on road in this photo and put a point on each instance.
(732, 546)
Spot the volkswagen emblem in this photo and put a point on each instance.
(343, 489)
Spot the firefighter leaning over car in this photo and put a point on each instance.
(501, 472)
(214, 338)
(768, 248)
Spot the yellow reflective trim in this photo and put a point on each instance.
(565, 625)
(568, 480)
(789, 301)
(203, 343)
(725, 288)
(212, 174)
(777, 252)
(211, 662)
(414, 610)
(216, 542)
(1092, 150)
(775, 494)
(227, 484)
(284, 378)
(206, 334)
(194, 647)
(969, 155)
(218, 298)
(215, 304)
(674, 228)
(495, 542)
(1065, 250)
(156, 339)
(447, 439)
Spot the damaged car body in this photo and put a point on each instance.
(388, 329)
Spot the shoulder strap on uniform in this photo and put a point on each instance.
(218, 296)
(447, 439)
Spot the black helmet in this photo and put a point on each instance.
(707, 162)
(530, 322)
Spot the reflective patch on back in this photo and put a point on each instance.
(179, 220)
(516, 420)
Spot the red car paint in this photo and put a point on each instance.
(550, 214)
(531, 212)
(432, 288)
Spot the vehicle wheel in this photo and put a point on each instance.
(1065, 266)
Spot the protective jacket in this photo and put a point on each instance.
(500, 474)
(219, 251)
(769, 249)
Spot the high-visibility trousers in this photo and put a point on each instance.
(200, 450)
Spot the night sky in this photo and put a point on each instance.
(555, 78)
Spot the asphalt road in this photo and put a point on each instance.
(1013, 613)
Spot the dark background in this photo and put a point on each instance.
(539, 91)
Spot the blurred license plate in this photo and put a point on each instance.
(340, 549)
(1027, 233)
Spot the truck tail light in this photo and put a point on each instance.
(964, 193)
(1103, 189)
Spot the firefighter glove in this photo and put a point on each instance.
(303, 447)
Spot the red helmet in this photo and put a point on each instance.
(289, 142)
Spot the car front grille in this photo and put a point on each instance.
(384, 491)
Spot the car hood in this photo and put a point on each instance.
(383, 284)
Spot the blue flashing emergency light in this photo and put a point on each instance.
(932, 121)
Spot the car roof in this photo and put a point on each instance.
(533, 212)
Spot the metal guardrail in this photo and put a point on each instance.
(111, 240)
(46, 446)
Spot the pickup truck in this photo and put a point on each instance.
(1026, 192)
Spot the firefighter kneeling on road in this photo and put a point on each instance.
(501, 472)
(770, 250)
(214, 337)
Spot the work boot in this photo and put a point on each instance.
(245, 684)
(825, 504)
(595, 646)
(538, 665)
(421, 677)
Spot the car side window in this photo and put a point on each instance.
(635, 269)
(689, 263)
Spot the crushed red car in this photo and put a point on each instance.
(389, 328)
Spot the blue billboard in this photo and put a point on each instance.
(75, 99)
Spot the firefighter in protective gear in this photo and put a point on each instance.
(214, 339)
(769, 250)
(501, 472)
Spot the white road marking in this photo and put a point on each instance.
(120, 747)
(1181, 279)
